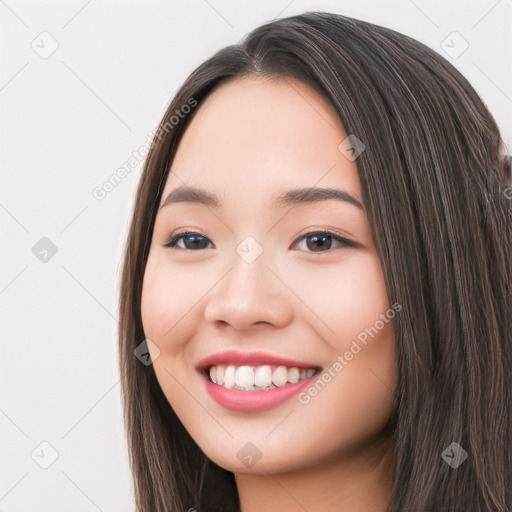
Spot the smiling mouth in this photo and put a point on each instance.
(256, 377)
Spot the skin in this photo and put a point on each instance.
(251, 140)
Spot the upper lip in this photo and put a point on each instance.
(257, 358)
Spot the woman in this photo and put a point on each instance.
(371, 374)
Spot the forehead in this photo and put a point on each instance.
(258, 136)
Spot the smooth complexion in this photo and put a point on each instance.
(249, 142)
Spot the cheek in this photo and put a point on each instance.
(345, 298)
(167, 301)
(358, 391)
(351, 301)
(164, 307)
(169, 320)
(363, 294)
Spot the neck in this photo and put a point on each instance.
(356, 483)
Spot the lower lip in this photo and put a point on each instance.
(253, 401)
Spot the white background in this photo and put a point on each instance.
(68, 122)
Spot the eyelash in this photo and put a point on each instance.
(343, 241)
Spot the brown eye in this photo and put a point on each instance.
(315, 240)
(323, 240)
(194, 240)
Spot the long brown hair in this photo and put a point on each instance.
(434, 183)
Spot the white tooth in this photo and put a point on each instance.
(244, 376)
(302, 373)
(279, 376)
(229, 376)
(212, 374)
(263, 376)
(219, 373)
(292, 375)
(310, 372)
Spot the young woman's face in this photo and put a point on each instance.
(264, 289)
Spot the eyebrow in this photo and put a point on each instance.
(291, 197)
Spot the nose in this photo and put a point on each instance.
(249, 295)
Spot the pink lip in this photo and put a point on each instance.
(253, 401)
(251, 358)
